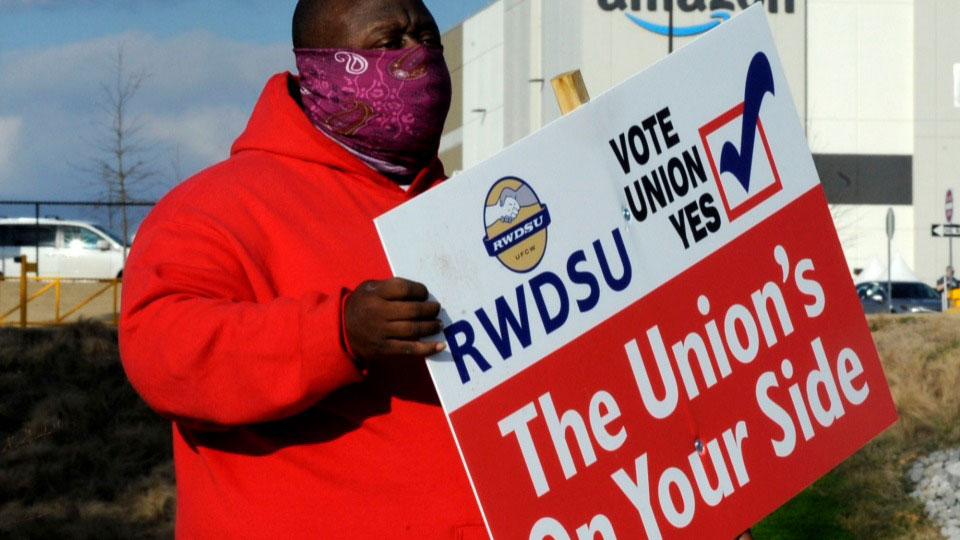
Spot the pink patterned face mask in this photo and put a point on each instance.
(387, 107)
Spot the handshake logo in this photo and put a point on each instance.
(516, 224)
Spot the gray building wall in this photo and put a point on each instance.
(517, 21)
(562, 46)
(850, 64)
(936, 163)
(452, 153)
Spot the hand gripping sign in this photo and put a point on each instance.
(652, 331)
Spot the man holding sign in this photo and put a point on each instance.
(302, 407)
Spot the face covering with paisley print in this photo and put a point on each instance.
(387, 107)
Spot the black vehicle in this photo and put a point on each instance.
(908, 297)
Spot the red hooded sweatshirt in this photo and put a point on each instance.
(231, 327)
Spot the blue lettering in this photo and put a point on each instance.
(509, 320)
(583, 278)
(466, 348)
(621, 283)
(505, 318)
(550, 324)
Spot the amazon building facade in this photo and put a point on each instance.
(872, 80)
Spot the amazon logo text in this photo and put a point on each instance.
(720, 10)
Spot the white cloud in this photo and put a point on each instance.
(9, 144)
(207, 132)
(198, 94)
(185, 66)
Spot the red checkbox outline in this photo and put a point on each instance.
(767, 192)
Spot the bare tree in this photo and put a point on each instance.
(123, 169)
(176, 169)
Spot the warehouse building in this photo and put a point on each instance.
(873, 82)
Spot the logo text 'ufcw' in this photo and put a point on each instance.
(516, 225)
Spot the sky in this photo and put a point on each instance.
(205, 61)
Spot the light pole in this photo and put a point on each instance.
(891, 225)
(670, 24)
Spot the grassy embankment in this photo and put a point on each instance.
(82, 457)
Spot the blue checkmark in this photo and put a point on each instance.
(759, 83)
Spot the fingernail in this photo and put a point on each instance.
(441, 347)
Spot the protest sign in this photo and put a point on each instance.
(652, 331)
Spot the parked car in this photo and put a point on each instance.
(65, 248)
(908, 297)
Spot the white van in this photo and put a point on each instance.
(74, 249)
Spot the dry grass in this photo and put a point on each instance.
(80, 455)
(921, 356)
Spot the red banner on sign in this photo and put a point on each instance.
(696, 411)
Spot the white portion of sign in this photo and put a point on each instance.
(572, 167)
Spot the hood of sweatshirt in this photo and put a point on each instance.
(279, 126)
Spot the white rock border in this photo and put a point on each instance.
(937, 481)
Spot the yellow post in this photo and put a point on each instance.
(23, 291)
(25, 266)
(570, 90)
(57, 302)
(116, 313)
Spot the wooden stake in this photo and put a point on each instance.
(570, 90)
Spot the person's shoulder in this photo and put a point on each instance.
(226, 196)
(196, 192)
(226, 184)
(208, 196)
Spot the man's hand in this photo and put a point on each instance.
(386, 319)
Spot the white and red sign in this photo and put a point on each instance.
(948, 206)
(651, 329)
